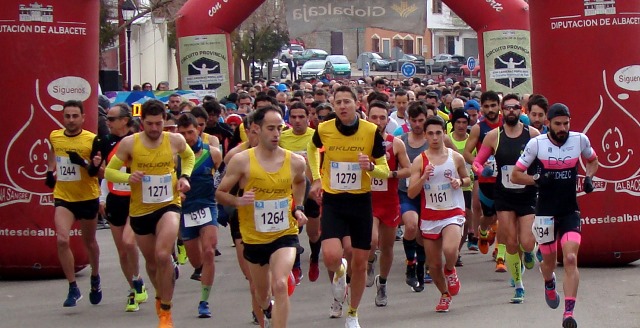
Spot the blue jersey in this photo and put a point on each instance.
(202, 192)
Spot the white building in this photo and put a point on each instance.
(449, 33)
(152, 60)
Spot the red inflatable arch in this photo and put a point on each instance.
(51, 56)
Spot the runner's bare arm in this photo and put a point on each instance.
(471, 144)
(298, 168)
(465, 180)
(416, 180)
(235, 172)
(216, 156)
(403, 159)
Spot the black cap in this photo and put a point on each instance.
(459, 113)
(558, 109)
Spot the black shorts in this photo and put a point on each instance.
(82, 210)
(521, 204)
(487, 203)
(261, 253)
(467, 198)
(234, 224)
(566, 223)
(117, 209)
(348, 215)
(311, 209)
(146, 224)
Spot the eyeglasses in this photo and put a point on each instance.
(113, 118)
(512, 107)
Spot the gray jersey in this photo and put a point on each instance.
(412, 153)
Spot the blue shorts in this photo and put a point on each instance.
(193, 232)
(408, 204)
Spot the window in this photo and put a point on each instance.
(437, 6)
(375, 44)
(419, 45)
(408, 47)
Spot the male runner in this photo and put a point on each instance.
(350, 146)
(438, 175)
(75, 192)
(269, 176)
(155, 196)
(386, 204)
(514, 203)
(557, 213)
(199, 218)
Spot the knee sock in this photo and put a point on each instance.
(502, 250)
(569, 304)
(514, 265)
(420, 255)
(315, 251)
(409, 249)
(204, 294)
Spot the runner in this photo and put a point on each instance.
(350, 145)
(514, 203)
(538, 105)
(438, 175)
(199, 218)
(557, 213)
(155, 198)
(114, 205)
(75, 192)
(269, 175)
(386, 204)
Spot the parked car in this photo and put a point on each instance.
(287, 52)
(280, 70)
(376, 62)
(309, 54)
(338, 66)
(417, 60)
(312, 69)
(446, 63)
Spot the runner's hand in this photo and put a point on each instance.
(136, 177)
(247, 198)
(587, 185)
(300, 217)
(455, 183)
(183, 185)
(97, 159)
(74, 158)
(51, 180)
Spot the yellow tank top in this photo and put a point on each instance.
(341, 171)
(159, 185)
(270, 216)
(73, 182)
(296, 143)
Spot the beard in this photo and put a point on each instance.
(511, 120)
(491, 116)
(561, 139)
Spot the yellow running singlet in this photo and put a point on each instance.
(73, 182)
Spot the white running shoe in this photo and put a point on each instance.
(339, 284)
(352, 322)
(336, 309)
(381, 293)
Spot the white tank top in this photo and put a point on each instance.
(441, 201)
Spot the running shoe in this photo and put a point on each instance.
(182, 255)
(551, 296)
(410, 274)
(132, 305)
(297, 274)
(197, 274)
(529, 260)
(141, 291)
(453, 283)
(381, 293)
(539, 255)
(371, 270)
(427, 278)
(73, 297)
(339, 284)
(314, 270)
(217, 253)
(399, 234)
(459, 261)
(569, 321)
(165, 319)
(472, 244)
(95, 295)
(443, 305)
(352, 322)
(203, 310)
(254, 319)
(336, 309)
(419, 287)
(267, 316)
(518, 297)
(483, 243)
(500, 266)
(492, 233)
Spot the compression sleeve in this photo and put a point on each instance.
(187, 161)
(482, 157)
(313, 155)
(381, 169)
(113, 173)
(104, 191)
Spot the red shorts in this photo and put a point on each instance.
(387, 213)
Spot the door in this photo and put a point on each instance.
(336, 43)
(451, 45)
(386, 48)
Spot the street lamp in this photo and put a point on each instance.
(129, 11)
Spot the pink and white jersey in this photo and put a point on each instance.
(559, 164)
(440, 201)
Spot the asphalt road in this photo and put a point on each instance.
(608, 297)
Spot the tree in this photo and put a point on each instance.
(260, 37)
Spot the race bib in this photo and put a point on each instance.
(198, 218)
(122, 186)
(302, 153)
(379, 184)
(346, 176)
(67, 171)
(157, 189)
(543, 229)
(507, 171)
(271, 215)
(438, 197)
(492, 161)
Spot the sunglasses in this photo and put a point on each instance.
(512, 107)
(113, 118)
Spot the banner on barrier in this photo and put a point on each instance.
(204, 64)
(507, 61)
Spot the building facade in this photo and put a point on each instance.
(449, 33)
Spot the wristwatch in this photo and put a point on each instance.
(297, 208)
(394, 174)
(536, 177)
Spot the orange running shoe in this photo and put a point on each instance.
(483, 242)
(492, 233)
(500, 267)
(165, 319)
(443, 305)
